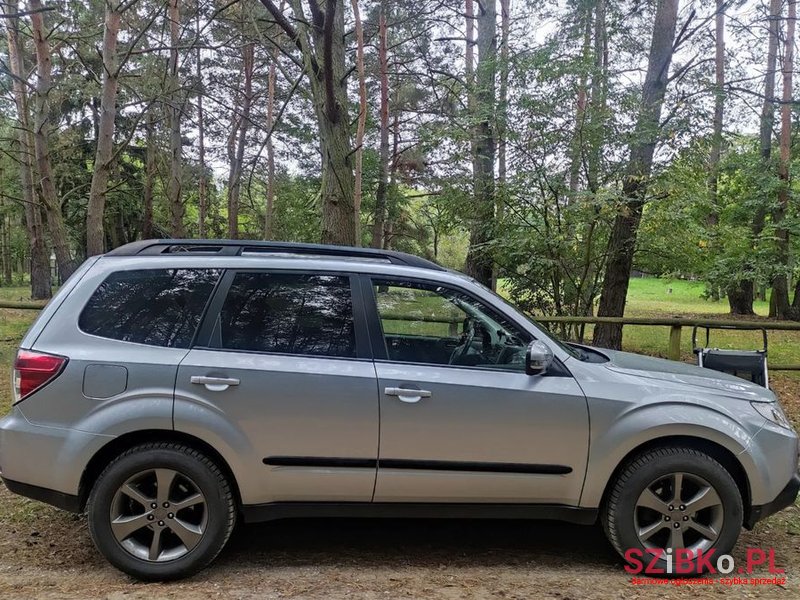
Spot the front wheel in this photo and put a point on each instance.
(669, 499)
(161, 511)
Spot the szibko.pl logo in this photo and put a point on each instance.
(657, 561)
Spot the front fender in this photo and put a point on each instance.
(644, 423)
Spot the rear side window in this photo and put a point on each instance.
(158, 307)
(289, 313)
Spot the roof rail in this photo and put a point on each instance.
(239, 247)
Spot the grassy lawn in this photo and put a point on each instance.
(651, 297)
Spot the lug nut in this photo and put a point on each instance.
(170, 516)
(154, 505)
(150, 517)
(667, 519)
(162, 523)
(166, 504)
(671, 507)
(682, 507)
(686, 518)
(677, 525)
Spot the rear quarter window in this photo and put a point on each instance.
(158, 307)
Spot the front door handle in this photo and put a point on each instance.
(214, 384)
(409, 395)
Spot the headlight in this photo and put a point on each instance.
(772, 411)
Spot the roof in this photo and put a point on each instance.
(238, 247)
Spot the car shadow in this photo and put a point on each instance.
(418, 543)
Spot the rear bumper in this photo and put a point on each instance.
(785, 498)
(57, 499)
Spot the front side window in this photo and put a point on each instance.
(289, 314)
(158, 307)
(437, 325)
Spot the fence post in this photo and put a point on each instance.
(674, 352)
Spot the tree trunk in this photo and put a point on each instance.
(502, 120)
(780, 283)
(479, 260)
(41, 283)
(712, 219)
(321, 41)
(766, 123)
(8, 270)
(740, 297)
(149, 176)
(41, 140)
(379, 223)
(104, 155)
(469, 78)
(576, 150)
(175, 183)
(338, 183)
(202, 187)
(719, 112)
(597, 116)
(622, 243)
(237, 164)
(362, 120)
(269, 217)
(391, 196)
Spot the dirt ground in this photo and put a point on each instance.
(45, 553)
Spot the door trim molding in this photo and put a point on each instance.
(323, 462)
(479, 467)
(416, 465)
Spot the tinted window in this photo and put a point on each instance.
(289, 314)
(159, 307)
(438, 325)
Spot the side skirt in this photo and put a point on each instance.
(255, 513)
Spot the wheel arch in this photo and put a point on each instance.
(120, 444)
(713, 449)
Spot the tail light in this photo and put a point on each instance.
(33, 370)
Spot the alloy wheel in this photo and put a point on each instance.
(158, 515)
(678, 510)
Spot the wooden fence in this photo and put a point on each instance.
(676, 325)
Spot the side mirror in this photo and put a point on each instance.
(538, 358)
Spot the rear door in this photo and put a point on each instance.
(281, 380)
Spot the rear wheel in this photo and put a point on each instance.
(161, 511)
(673, 498)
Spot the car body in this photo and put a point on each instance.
(381, 385)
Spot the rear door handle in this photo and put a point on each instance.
(214, 384)
(409, 395)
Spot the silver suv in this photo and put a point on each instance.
(172, 388)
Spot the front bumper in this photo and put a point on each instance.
(785, 498)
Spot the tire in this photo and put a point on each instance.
(159, 536)
(642, 503)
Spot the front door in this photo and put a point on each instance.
(282, 382)
(461, 421)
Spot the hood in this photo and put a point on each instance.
(680, 373)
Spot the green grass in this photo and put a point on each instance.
(655, 296)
